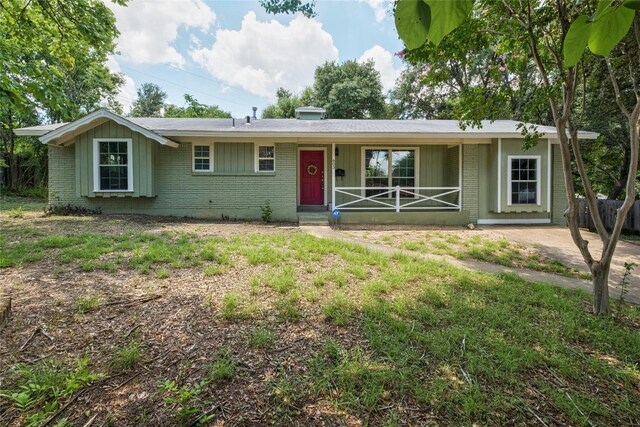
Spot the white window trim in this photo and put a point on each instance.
(256, 150)
(193, 157)
(538, 179)
(96, 164)
(363, 167)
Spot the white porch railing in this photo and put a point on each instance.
(398, 198)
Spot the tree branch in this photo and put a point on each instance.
(616, 89)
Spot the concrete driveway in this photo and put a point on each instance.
(556, 242)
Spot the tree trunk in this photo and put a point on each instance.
(13, 171)
(600, 280)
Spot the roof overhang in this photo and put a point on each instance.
(68, 131)
(463, 135)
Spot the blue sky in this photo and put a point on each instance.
(233, 54)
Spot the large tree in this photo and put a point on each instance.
(193, 108)
(150, 102)
(553, 35)
(464, 79)
(607, 159)
(286, 104)
(350, 90)
(53, 55)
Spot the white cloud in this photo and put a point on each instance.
(262, 56)
(127, 93)
(149, 28)
(379, 7)
(384, 64)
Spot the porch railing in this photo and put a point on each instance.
(399, 198)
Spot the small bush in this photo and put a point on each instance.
(266, 211)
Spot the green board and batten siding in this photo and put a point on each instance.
(487, 200)
(233, 157)
(144, 153)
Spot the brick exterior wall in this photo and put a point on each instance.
(183, 193)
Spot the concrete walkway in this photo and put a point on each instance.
(552, 236)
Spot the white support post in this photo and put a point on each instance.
(397, 198)
(333, 177)
(549, 166)
(499, 175)
(460, 177)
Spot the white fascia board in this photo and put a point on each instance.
(50, 137)
(472, 138)
(31, 132)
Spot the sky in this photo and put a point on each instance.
(231, 53)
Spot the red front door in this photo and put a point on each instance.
(311, 177)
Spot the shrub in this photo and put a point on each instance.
(68, 210)
(266, 211)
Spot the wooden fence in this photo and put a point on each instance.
(608, 210)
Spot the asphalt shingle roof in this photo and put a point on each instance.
(441, 128)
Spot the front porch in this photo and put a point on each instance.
(395, 178)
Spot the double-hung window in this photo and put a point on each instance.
(389, 167)
(524, 180)
(265, 158)
(112, 170)
(203, 157)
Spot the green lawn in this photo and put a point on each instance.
(288, 328)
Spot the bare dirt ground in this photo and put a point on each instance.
(180, 331)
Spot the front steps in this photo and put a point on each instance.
(313, 218)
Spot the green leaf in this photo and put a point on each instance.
(446, 16)
(610, 26)
(576, 40)
(632, 4)
(602, 6)
(412, 22)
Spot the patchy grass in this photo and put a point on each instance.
(473, 246)
(261, 337)
(127, 356)
(88, 303)
(223, 367)
(296, 330)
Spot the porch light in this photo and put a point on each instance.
(337, 151)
